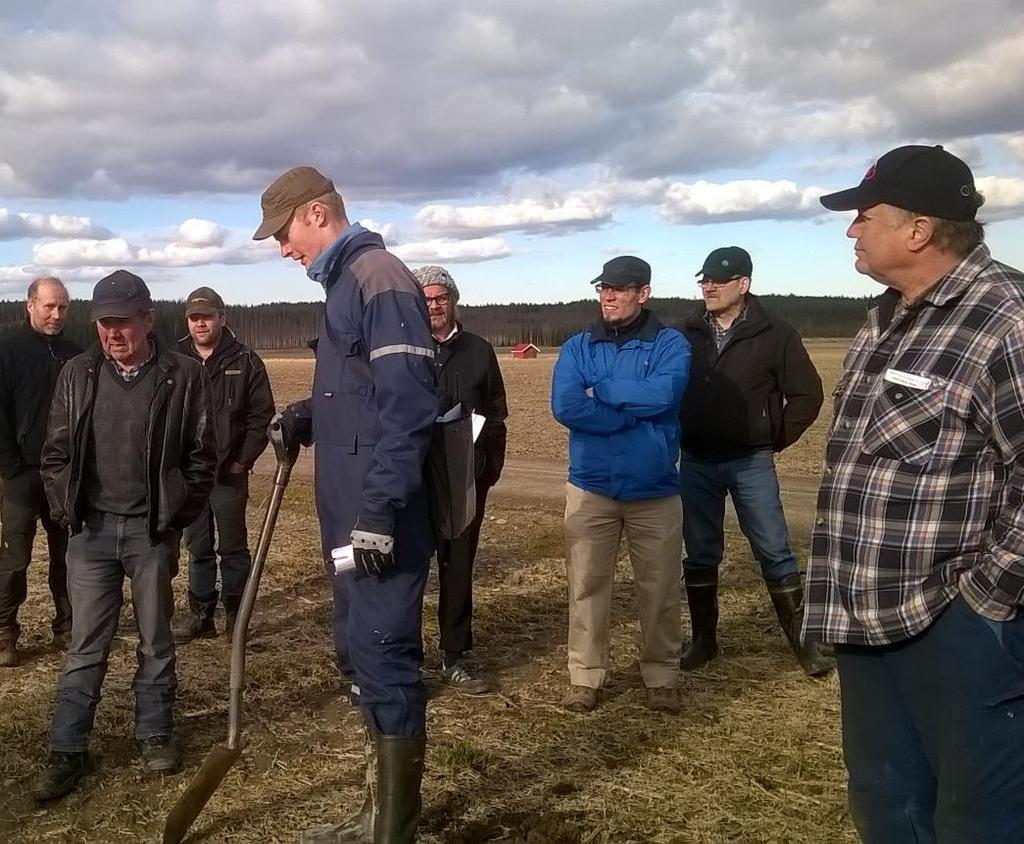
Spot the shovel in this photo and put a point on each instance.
(222, 757)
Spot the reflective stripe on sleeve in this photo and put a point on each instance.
(401, 349)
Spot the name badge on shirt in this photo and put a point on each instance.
(907, 379)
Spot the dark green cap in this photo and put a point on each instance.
(727, 262)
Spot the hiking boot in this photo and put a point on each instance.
(457, 673)
(62, 773)
(662, 699)
(702, 600)
(161, 754)
(198, 623)
(8, 648)
(580, 699)
(787, 597)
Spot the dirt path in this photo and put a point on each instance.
(542, 481)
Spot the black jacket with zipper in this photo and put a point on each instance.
(179, 442)
(468, 372)
(240, 397)
(29, 365)
(761, 391)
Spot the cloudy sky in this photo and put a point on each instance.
(520, 143)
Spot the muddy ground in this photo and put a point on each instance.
(754, 756)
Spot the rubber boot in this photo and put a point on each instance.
(198, 624)
(787, 597)
(357, 829)
(399, 776)
(231, 604)
(702, 599)
(8, 647)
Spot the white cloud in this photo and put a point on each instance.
(201, 233)
(743, 199)
(1004, 197)
(389, 232)
(548, 214)
(450, 251)
(14, 226)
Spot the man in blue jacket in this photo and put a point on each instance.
(617, 387)
(371, 413)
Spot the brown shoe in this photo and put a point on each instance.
(8, 651)
(580, 699)
(662, 699)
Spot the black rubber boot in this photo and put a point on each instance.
(787, 597)
(702, 599)
(198, 624)
(357, 829)
(399, 776)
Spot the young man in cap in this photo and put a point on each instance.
(30, 361)
(128, 463)
(242, 405)
(371, 414)
(753, 392)
(917, 558)
(467, 372)
(617, 388)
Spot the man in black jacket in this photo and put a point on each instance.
(753, 391)
(30, 362)
(128, 463)
(467, 372)
(242, 404)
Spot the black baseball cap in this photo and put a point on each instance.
(204, 301)
(922, 179)
(727, 262)
(625, 271)
(121, 294)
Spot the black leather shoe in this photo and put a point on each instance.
(161, 754)
(61, 775)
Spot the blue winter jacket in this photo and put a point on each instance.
(623, 442)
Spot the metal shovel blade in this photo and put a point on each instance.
(199, 791)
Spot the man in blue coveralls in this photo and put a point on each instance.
(370, 416)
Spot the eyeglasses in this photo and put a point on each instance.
(717, 282)
(607, 288)
(443, 299)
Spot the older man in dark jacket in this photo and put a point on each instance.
(753, 392)
(30, 361)
(128, 462)
(467, 373)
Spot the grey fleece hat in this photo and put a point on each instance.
(434, 275)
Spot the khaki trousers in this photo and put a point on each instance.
(593, 528)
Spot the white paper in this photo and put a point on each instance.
(907, 379)
(343, 559)
(478, 425)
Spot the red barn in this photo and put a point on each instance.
(524, 350)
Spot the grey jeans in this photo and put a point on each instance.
(108, 548)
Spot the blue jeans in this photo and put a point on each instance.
(933, 732)
(108, 548)
(225, 509)
(754, 487)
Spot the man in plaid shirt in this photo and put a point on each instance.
(916, 570)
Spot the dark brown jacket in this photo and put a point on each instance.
(179, 442)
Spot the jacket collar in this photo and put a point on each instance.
(648, 331)
(225, 345)
(757, 318)
(326, 268)
(164, 358)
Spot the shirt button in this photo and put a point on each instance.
(828, 469)
(846, 426)
(819, 522)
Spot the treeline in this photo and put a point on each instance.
(289, 325)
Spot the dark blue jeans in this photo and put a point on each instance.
(224, 510)
(933, 732)
(108, 548)
(754, 487)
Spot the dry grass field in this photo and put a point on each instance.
(754, 757)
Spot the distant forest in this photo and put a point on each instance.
(284, 325)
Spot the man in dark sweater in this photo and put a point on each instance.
(242, 405)
(128, 462)
(467, 372)
(753, 391)
(30, 361)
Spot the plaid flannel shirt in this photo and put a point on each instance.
(722, 335)
(922, 493)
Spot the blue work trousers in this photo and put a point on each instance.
(933, 732)
(754, 487)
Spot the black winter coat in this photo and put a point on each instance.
(468, 372)
(762, 391)
(179, 442)
(240, 397)
(29, 365)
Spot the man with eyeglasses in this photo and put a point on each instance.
(467, 373)
(30, 361)
(753, 392)
(617, 388)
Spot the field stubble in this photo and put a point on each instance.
(755, 756)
